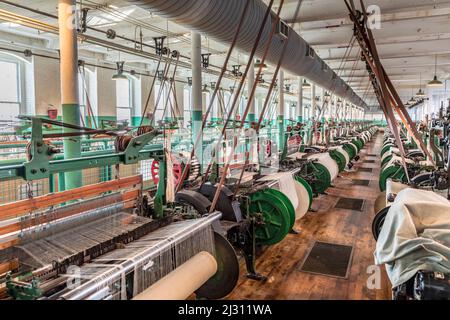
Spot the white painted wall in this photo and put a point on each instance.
(106, 93)
(46, 85)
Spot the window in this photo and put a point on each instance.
(10, 94)
(123, 98)
(207, 97)
(161, 102)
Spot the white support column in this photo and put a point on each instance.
(196, 95)
(300, 100)
(69, 85)
(250, 82)
(281, 110)
(312, 112)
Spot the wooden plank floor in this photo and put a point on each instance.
(281, 263)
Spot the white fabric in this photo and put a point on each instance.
(297, 193)
(304, 201)
(395, 160)
(297, 155)
(326, 160)
(415, 236)
(341, 150)
(286, 184)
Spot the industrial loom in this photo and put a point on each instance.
(110, 240)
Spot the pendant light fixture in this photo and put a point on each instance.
(412, 101)
(305, 84)
(435, 83)
(420, 93)
(119, 75)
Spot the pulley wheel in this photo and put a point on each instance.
(289, 206)
(395, 172)
(274, 217)
(177, 170)
(378, 222)
(322, 178)
(339, 158)
(350, 150)
(227, 275)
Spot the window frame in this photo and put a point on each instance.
(19, 83)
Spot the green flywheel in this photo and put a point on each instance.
(393, 172)
(358, 143)
(350, 150)
(308, 188)
(275, 218)
(288, 205)
(322, 177)
(386, 148)
(386, 160)
(339, 158)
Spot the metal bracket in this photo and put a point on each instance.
(159, 45)
(205, 60)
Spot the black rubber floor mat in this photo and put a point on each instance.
(365, 169)
(369, 161)
(328, 259)
(363, 183)
(350, 204)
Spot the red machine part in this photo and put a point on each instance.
(177, 170)
(268, 148)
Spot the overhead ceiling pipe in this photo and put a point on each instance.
(218, 20)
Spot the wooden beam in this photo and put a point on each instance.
(22, 207)
(9, 266)
(128, 198)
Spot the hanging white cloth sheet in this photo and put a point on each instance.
(415, 236)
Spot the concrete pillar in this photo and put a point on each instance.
(312, 112)
(281, 107)
(300, 100)
(196, 96)
(69, 85)
(250, 82)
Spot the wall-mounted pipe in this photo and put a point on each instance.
(218, 19)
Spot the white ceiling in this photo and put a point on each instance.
(412, 33)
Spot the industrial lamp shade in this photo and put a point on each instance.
(412, 101)
(306, 84)
(119, 75)
(420, 94)
(435, 83)
(258, 65)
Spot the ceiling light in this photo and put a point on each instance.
(205, 89)
(435, 83)
(258, 65)
(306, 84)
(119, 75)
(412, 101)
(420, 94)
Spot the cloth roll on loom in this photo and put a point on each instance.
(183, 281)
(328, 162)
(296, 192)
(341, 150)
